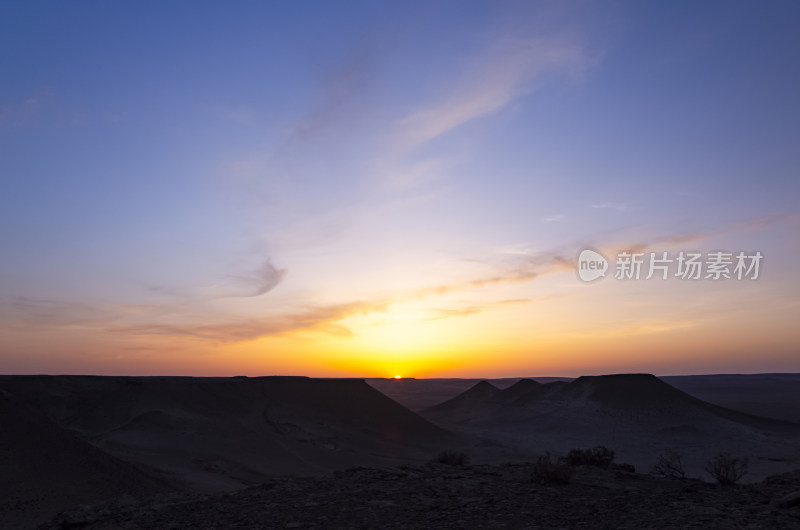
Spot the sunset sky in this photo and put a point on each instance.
(373, 189)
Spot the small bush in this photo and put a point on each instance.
(669, 464)
(452, 458)
(726, 468)
(630, 468)
(599, 456)
(546, 470)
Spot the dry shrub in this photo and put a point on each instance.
(669, 464)
(726, 468)
(547, 470)
(599, 456)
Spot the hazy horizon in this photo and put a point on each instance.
(397, 189)
(399, 379)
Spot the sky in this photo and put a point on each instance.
(372, 189)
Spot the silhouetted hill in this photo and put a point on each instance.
(632, 393)
(45, 468)
(219, 433)
(771, 395)
(637, 414)
(646, 392)
(483, 392)
(625, 390)
(523, 387)
(478, 400)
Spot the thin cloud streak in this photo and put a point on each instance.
(619, 206)
(257, 282)
(325, 318)
(441, 314)
(508, 70)
(313, 319)
(508, 270)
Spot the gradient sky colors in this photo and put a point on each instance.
(375, 189)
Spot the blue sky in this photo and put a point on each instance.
(198, 187)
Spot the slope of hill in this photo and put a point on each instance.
(771, 395)
(520, 389)
(637, 414)
(629, 394)
(484, 399)
(422, 394)
(45, 469)
(219, 433)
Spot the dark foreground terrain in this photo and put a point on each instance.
(272, 452)
(441, 496)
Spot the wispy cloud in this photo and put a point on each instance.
(323, 318)
(335, 100)
(254, 283)
(666, 242)
(555, 218)
(327, 318)
(400, 176)
(754, 224)
(183, 320)
(509, 269)
(23, 311)
(519, 268)
(510, 68)
(440, 314)
(339, 93)
(619, 206)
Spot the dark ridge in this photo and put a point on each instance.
(47, 468)
(353, 401)
(483, 385)
(633, 393)
(557, 384)
(216, 434)
(292, 378)
(482, 389)
(627, 389)
(520, 387)
(542, 391)
(481, 394)
(646, 391)
(98, 404)
(524, 388)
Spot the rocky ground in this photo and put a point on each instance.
(441, 496)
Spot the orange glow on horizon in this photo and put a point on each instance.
(564, 335)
